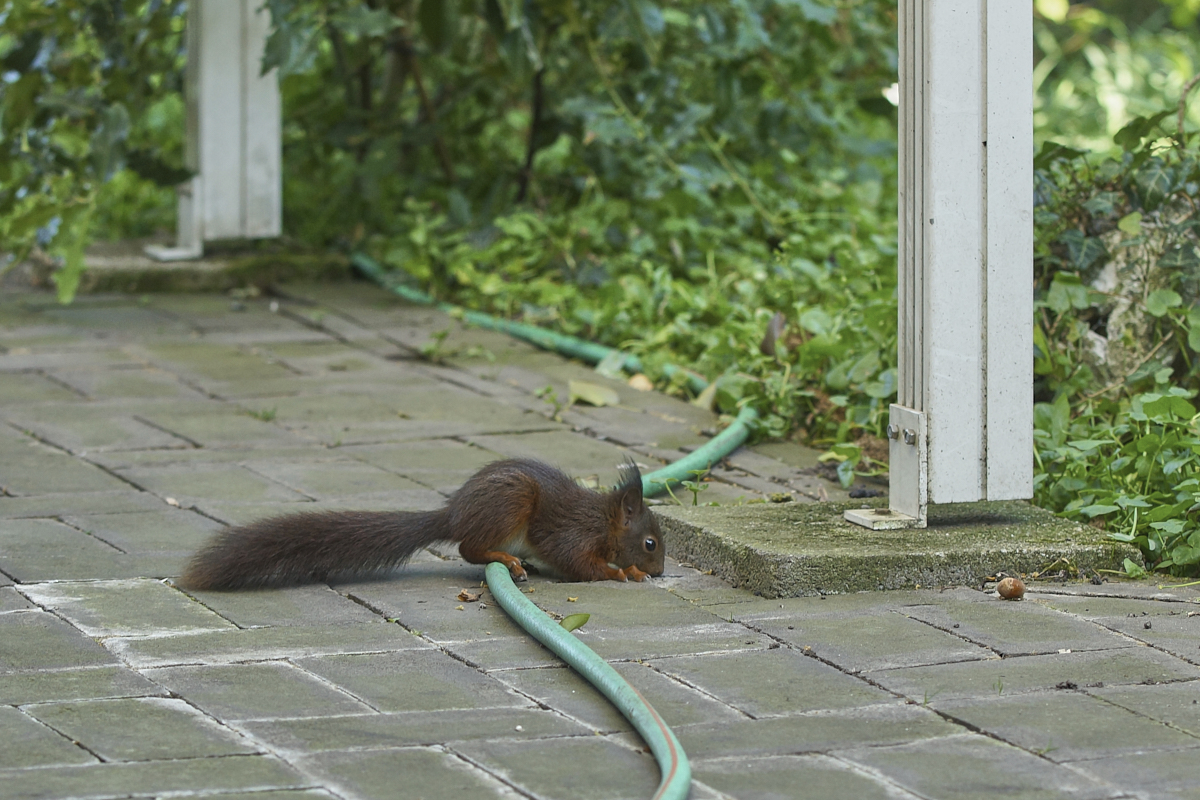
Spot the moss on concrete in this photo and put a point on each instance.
(805, 549)
(125, 269)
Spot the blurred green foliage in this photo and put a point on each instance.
(1117, 334)
(1100, 64)
(660, 178)
(82, 86)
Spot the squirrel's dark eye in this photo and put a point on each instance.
(650, 545)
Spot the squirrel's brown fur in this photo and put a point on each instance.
(508, 508)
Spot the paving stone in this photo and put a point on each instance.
(48, 472)
(306, 606)
(10, 600)
(376, 774)
(576, 768)
(862, 643)
(375, 731)
(503, 652)
(151, 778)
(361, 301)
(757, 609)
(440, 464)
(1065, 726)
(815, 732)
(28, 388)
(195, 483)
(329, 411)
(41, 549)
(44, 686)
(124, 381)
(164, 530)
(615, 605)
(1165, 773)
(262, 690)
(279, 794)
(1161, 588)
(30, 744)
(630, 427)
(807, 777)
(31, 640)
(975, 766)
(423, 598)
(93, 428)
(231, 453)
(330, 480)
(994, 677)
(49, 361)
(229, 426)
(141, 729)
(114, 316)
(1176, 634)
(418, 680)
(1177, 704)
(263, 644)
(56, 505)
(1013, 629)
(320, 354)
(1095, 608)
(566, 691)
(133, 607)
(210, 364)
(700, 589)
(647, 641)
(780, 681)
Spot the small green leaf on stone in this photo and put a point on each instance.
(592, 393)
(573, 621)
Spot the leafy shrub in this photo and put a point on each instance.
(82, 84)
(1117, 335)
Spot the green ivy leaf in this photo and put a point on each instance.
(1134, 570)
(1067, 292)
(1155, 180)
(1083, 250)
(1098, 509)
(1179, 257)
(1160, 301)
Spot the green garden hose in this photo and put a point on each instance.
(672, 761)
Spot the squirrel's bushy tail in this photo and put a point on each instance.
(313, 546)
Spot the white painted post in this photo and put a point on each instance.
(233, 131)
(962, 426)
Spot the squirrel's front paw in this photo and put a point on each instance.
(518, 573)
(633, 572)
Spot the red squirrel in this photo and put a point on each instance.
(507, 510)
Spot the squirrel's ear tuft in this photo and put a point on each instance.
(631, 480)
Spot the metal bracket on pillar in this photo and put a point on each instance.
(189, 239)
(908, 475)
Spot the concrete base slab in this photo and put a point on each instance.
(795, 549)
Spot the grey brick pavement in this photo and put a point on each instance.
(133, 427)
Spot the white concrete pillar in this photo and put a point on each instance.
(962, 426)
(233, 130)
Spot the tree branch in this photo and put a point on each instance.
(534, 129)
